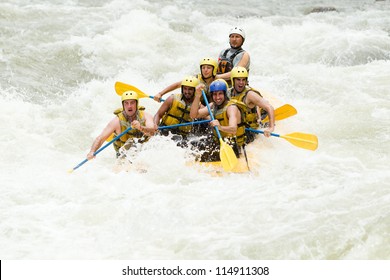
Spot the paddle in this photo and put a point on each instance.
(183, 124)
(281, 113)
(299, 139)
(169, 126)
(120, 88)
(101, 149)
(226, 153)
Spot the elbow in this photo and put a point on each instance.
(194, 113)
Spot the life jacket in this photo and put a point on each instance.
(251, 117)
(225, 63)
(132, 133)
(179, 112)
(221, 115)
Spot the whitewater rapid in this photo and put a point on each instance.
(60, 61)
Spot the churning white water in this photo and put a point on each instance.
(59, 62)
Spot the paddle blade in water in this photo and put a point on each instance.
(228, 157)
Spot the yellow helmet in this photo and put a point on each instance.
(238, 72)
(209, 61)
(129, 95)
(190, 81)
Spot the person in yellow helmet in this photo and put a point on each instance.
(129, 116)
(233, 56)
(208, 73)
(254, 101)
(176, 108)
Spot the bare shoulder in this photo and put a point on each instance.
(232, 109)
(115, 122)
(253, 94)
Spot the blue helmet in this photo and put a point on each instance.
(217, 85)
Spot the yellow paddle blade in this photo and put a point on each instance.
(228, 157)
(120, 88)
(302, 140)
(283, 112)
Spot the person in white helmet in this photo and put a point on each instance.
(233, 56)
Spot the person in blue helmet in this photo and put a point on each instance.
(227, 118)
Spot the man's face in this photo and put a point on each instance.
(239, 84)
(188, 92)
(130, 107)
(235, 40)
(218, 97)
(207, 71)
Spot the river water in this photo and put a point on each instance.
(59, 62)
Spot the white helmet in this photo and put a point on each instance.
(237, 30)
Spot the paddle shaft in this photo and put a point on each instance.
(299, 139)
(278, 112)
(102, 148)
(183, 124)
(152, 97)
(211, 114)
(260, 131)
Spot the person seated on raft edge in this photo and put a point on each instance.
(130, 115)
(233, 56)
(176, 110)
(208, 73)
(228, 120)
(257, 106)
